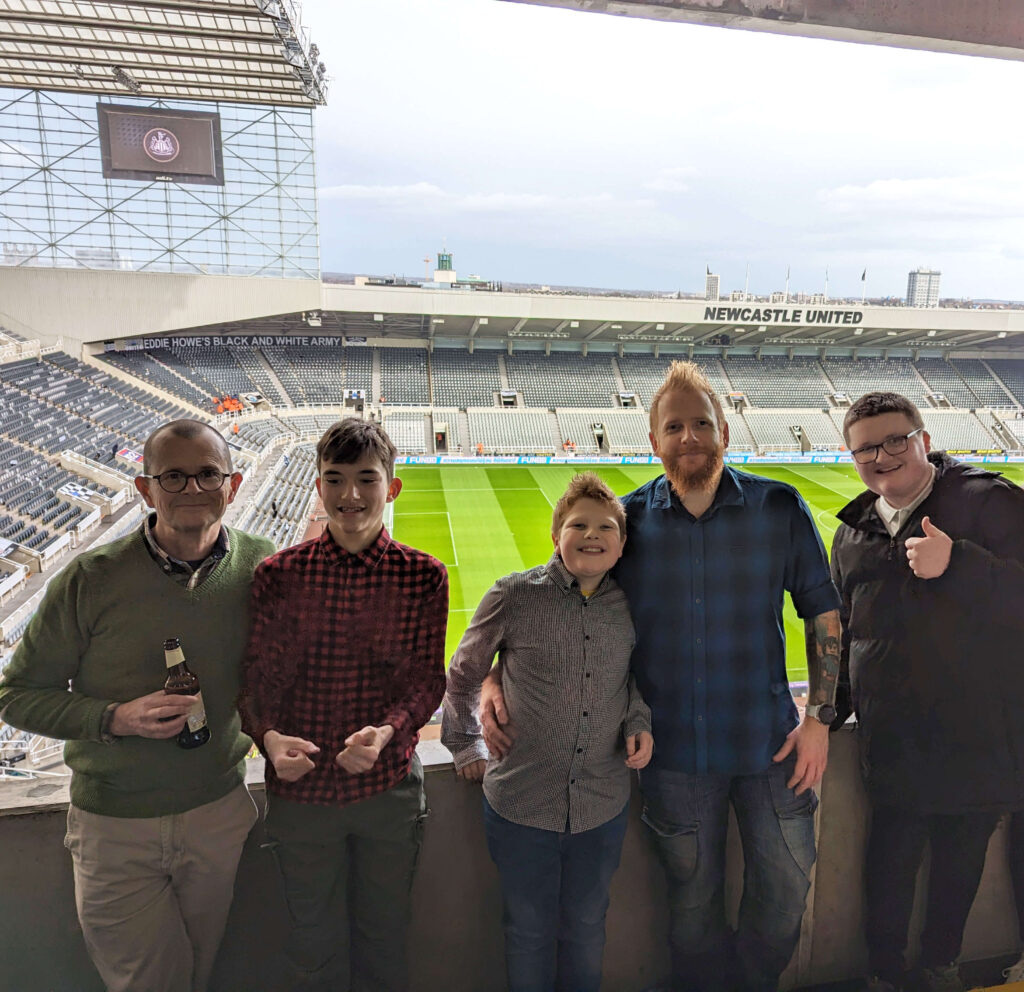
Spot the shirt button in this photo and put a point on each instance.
(699, 641)
(696, 561)
(699, 719)
(572, 781)
(586, 637)
(699, 680)
(588, 675)
(698, 600)
(579, 750)
(585, 713)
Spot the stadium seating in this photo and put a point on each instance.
(461, 380)
(946, 380)
(511, 431)
(980, 381)
(865, 375)
(643, 374)
(773, 429)
(562, 379)
(778, 381)
(407, 430)
(1011, 372)
(289, 488)
(403, 376)
(957, 430)
(624, 430)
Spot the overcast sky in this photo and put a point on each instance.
(553, 146)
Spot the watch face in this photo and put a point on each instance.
(826, 714)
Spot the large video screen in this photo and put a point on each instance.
(147, 143)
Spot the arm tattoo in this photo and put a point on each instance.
(823, 649)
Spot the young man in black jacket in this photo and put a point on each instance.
(930, 567)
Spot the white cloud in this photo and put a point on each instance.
(671, 180)
(983, 195)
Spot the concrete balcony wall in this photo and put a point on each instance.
(457, 942)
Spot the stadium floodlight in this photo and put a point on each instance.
(891, 334)
(659, 327)
(574, 323)
(1001, 334)
(483, 320)
(378, 316)
(931, 334)
(437, 320)
(858, 332)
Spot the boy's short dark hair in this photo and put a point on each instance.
(351, 439)
(875, 404)
(588, 485)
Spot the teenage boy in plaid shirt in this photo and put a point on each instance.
(345, 664)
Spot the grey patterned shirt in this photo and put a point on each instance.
(569, 692)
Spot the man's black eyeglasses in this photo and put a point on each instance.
(891, 446)
(209, 480)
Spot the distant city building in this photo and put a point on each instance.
(711, 284)
(737, 296)
(923, 288)
(778, 297)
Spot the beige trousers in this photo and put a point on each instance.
(153, 894)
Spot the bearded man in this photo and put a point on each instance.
(710, 553)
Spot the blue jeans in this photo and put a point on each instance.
(689, 818)
(555, 891)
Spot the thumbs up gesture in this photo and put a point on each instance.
(929, 555)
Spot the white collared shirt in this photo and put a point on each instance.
(895, 517)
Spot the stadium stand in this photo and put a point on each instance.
(945, 380)
(280, 509)
(461, 379)
(957, 430)
(408, 431)
(251, 363)
(625, 431)
(510, 431)
(562, 379)
(1011, 372)
(980, 381)
(359, 370)
(773, 429)
(643, 374)
(144, 366)
(778, 381)
(403, 376)
(862, 375)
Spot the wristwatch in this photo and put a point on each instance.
(822, 712)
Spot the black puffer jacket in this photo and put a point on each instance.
(936, 666)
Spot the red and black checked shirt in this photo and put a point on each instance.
(341, 641)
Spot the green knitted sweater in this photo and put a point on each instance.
(101, 627)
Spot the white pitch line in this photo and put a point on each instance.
(450, 531)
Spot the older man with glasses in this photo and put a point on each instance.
(929, 563)
(155, 831)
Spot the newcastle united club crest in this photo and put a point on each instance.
(161, 145)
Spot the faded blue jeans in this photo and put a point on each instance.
(554, 887)
(689, 818)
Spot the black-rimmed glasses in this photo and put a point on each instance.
(209, 480)
(891, 446)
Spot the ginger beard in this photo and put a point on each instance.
(690, 439)
(684, 477)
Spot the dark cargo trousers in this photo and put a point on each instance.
(347, 873)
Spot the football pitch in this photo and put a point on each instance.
(484, 521)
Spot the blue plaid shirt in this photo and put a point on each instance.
(706, 597)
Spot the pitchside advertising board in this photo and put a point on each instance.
(146, 144)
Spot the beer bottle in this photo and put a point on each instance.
(183, 682)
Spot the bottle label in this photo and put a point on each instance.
(174, 657)
(197, 717)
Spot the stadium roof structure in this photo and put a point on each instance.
(237, 51)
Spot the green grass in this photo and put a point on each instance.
(484, 521)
